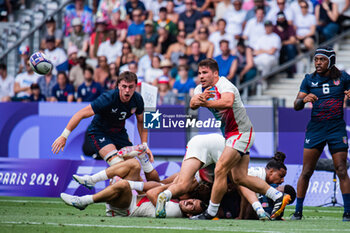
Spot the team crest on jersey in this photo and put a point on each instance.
(345, 140)
(336, 82)
(314, 84)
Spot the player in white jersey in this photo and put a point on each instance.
(222, 98)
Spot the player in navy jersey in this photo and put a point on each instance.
(325, 89)
(107, 131)
(89, 90)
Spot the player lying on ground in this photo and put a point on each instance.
(222, 98)
(107, 131)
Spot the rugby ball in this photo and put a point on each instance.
(40, 64)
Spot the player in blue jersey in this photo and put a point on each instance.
(107, 131)
(325, 89)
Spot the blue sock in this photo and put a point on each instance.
(299, 205)
(346, 198)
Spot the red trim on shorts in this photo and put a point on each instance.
(231, 127)
(143, 200)
(234, 141)
(250, 137)
(95, 142)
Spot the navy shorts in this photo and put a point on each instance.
(99, 139)
(332, 132)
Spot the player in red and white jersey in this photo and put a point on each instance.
(222, 98)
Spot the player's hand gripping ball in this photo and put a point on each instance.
(40, 64)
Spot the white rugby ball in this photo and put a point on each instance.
(40, 64)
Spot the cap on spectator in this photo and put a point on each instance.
(166, 63)
(82, 54)
(76, 22)
(50, 20)
(23, 49)
(268, 23)
(50, 38)
(72, 49)
(206, 14)
(101, 20)
(281, 15)
(34, 86)
(163, 79)
(149, 22)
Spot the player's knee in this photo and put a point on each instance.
(341, 171)
(134, 164)
(307, 174)
(123, 184)
(220, 170)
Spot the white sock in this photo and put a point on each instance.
(257, 207)
(136, 185)
(115, 160)
(146, 164)
(213, 208)
(86, 200)
(273, 194)
(99, 176)
(168, 195)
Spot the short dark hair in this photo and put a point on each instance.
(224, 41)
(127, 76)
(259, 8)
(303, 1)
(222, 20)
(3, 66)
(89, 68)
(210, 63)
(65, 76)
(183, 67)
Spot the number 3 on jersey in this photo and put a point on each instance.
(325, 88)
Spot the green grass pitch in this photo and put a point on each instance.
(29, 214)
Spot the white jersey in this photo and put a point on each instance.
(235, 120)
(206, 148)
(144, 208)
(25, 80)
(259, 172)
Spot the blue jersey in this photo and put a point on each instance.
(62, 94)
(111, 112)
(330, 94)
(89, 93)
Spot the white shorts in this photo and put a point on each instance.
(242, 142)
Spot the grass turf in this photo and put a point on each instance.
(30, 214)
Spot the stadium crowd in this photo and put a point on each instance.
(162, 41)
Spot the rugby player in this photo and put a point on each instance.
(325, 89)
(222, 98)
(107, 131)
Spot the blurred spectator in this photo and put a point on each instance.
(78, 10)
(132, 5)
(22, 83)
(5, 10)
(305, 24)
(165, 95)
(119, 25)
(62, 91)
(51, 30)
(245, 63)
(206, 47)
(164, 40)
(267, 49)
(254, 28)
(137, 26)
(280, 5)
(288, 38)
(171, 14)
(166, 66)
(153, 7)
(184, 86)
(149, 35)
(138, 49)
(219, 35)
(133, 67)
(178, 48)
(252, 12)
(111, 48)
(24, 56)
(76, 74)
(183, 60)
(106, 8)
(46, 84)
(102, 70)
(189, 19)
(36, 95)
(296, 8)
(97, 37)
(226, 61)
(326, 17)
(154, 71)
(122, 59)
(78, 37)
(222, 7)
(206, 22)
(6, 84)
(72, 57)
(57, 56)
(145, 61)
(234, 19)
(179, 6)
(165, 22)
(195, 56)
(89, 90)
(111, 81)
(344, 12)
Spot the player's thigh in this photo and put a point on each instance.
(123, 168)
(227, 160)
(125, 196)
(188, 169)
(310, 158)
(340, 161)
(240, 170)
